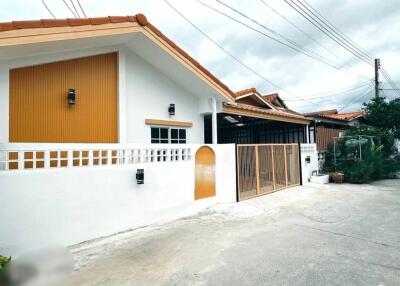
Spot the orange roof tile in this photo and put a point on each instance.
(139, 18)
(346, 116)
(333, 114)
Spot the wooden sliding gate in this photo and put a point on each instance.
(266, 168)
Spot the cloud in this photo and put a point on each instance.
(372, 24)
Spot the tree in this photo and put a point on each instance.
(384, 114)
(379, 157)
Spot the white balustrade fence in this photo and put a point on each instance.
(22, 156)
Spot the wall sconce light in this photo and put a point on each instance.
(140, 176)
(171, 109)
(308, 159)
(71, 96)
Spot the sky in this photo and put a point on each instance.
(304, 83)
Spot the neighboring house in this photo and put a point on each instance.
(118, 71)
(256, 118)
(328, 124)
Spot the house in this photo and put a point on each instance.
(86, 108)
(107, 125)
(256, 118)
(328, 124)
(117, 69)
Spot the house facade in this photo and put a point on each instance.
(107, 125)
(330, 124)
(122, 75)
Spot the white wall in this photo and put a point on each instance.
(308, 150)
(71, 205)
(144, 92)
(148, 95)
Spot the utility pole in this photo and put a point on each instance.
(377, 67)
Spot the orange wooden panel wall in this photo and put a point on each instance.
(39, 110)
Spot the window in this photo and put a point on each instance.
(168, 135)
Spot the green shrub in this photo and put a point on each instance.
(4, 261)
(379, 158)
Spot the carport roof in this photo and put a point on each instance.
(252, 111)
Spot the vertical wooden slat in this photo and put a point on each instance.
(273, 167)
(257, 171)
(38, 107)
(286, 169)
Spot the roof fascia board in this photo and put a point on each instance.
(327, 120)
(258, 96)
(33, 36)
(232, 110)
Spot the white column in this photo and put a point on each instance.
(214, 121)
(307, 135)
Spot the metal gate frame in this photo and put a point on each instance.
(266, 168)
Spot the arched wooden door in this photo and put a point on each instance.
(205, 173)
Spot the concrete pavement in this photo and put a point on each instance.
(308, 235)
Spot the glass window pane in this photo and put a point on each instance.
(164, 141)
(182, 133)
(174, 133)
(155, 132)
(182, 141)
(164, 133)
(155, 141)
(174, 141)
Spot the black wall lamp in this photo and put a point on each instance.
(140, 176)
(71, 96)
(171, 109)
(308, 159)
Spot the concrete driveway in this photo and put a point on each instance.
(309, 235)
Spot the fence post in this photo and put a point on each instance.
(273, 167)
(299, 162)
(257, 171)
(237, 172)
(21, 159)
(46, 159)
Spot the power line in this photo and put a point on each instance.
(231, 55)
(258, 31)
(308, 35)
(293, 43)
(336, 93)
(73, 5)
(344, 36)
(326, 31)
(48, 10)
(269, 36)
(357, 99)
(80, 6)
(334, 30)
(70, 9)
(390, 81)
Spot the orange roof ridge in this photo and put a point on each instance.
(49, 23)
